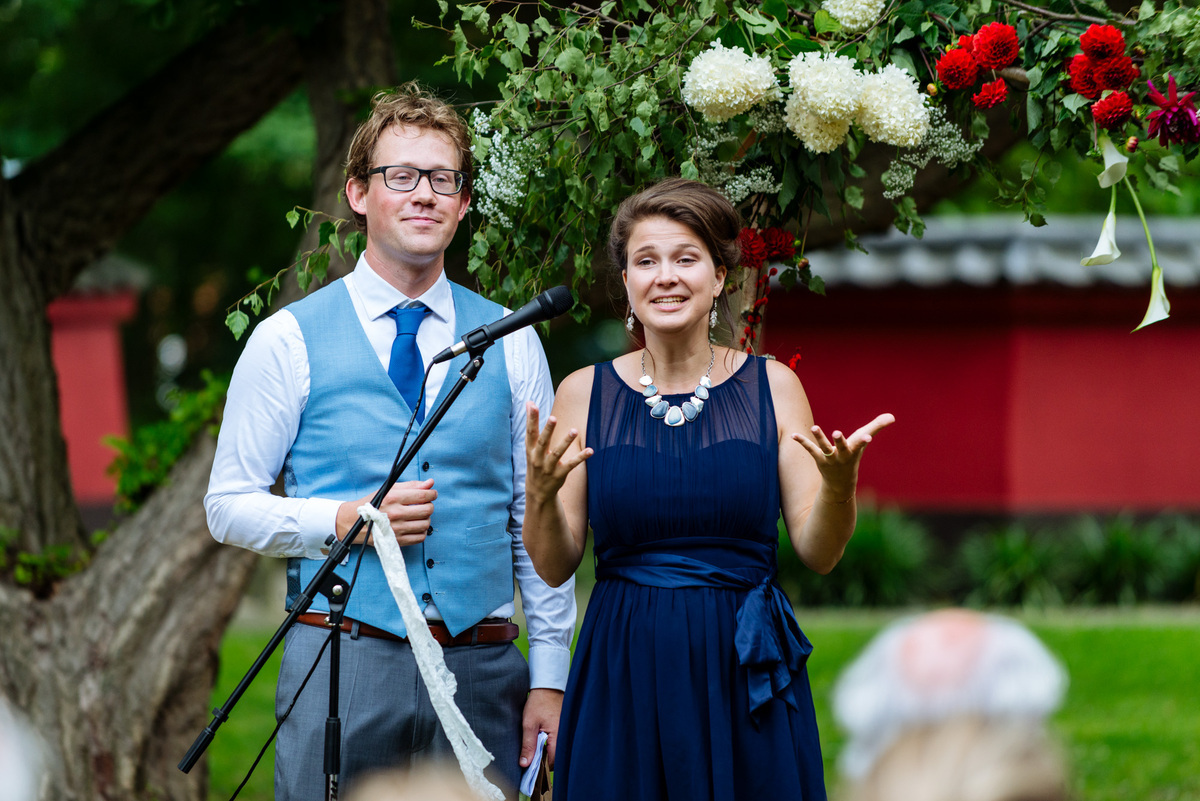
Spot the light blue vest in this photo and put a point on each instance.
(348, 436)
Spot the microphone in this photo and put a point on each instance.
(549, 304)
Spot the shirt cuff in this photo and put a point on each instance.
(318, 519)
(548, 667)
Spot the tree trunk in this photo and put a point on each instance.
(114, 665)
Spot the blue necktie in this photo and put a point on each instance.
(406, 369)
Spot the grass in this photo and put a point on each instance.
(1131, 721)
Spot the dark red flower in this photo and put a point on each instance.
(991, 94)
(794, 362)
(1175, 120)
(964, 42)
(754, 250)
(1082, 80)
(1102, 41)
(995, 46)
(1114, 73)
(780, 245)
(957, 69)
(1113, 111)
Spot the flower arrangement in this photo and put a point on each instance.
(794, 110)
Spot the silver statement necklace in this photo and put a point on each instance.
(687, 411)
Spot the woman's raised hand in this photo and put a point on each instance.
(838, 459)
(545, 467)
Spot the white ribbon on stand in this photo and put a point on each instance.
(470, 752)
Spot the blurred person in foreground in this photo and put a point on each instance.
(952, 706)
(430, 782)
(689, 680)
(322, 394)
(20, 757)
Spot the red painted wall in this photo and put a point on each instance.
(86, 345)
(1007, 400)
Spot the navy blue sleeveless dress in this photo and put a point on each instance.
(688, 681)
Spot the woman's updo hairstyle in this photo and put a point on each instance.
(701, 208)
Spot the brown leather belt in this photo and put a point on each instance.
(484, 633)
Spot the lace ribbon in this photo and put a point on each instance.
(468, 750)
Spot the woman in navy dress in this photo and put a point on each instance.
(688, 681)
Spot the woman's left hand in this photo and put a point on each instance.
(838, 459)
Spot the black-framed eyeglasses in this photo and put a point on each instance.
(402, 178)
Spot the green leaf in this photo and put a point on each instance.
(639, 127)
(1148, 9)
(1074, 102)
(816, 284)
(854, 197)
(325, 233)
(1035, 75)
(824, 23)
(1170, 163)
(1033, 112)
(1037, 219)
(511, 58)
(985, 7)
(237, 322)
(292, 218)
(757, 22)
(1052, 171)
(688, 170)
(477, 14)
(517, 33)
(904, 61)
(572, 61)
(799, 45)
(903, 35)
(319, 264)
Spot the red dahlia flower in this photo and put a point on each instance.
(754, 250)
(1114, 73)
(995, 46)
(957, 69)
(1175, 120)
(1082, 80)
(991, 94)
(1102, 41)
(964, 42)
(779, 244)
(1113, 111)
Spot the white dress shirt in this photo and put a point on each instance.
(268, 393)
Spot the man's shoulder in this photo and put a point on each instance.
(469, 298)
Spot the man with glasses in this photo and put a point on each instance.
(322, 395)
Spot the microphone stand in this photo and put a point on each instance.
(329, 584)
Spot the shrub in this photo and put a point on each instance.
(1011, 567)
(1182, 560)
(885, 564)
(1117, 561)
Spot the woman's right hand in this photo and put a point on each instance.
(545, 467)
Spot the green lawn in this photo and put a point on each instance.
(1131, 722)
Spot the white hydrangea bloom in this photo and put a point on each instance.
(893, 110)
(723, 82)
(854, 15)
(829, 86)
(504, 174)
(817, 134)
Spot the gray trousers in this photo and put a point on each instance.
(386, 717)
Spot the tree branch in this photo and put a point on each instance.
(78, 200)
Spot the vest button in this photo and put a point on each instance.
(425, 466)
(426, 597)
(429, 531)
(428, 563)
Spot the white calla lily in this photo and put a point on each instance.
(1160, 307)
(1106, 251)
(1115, 164)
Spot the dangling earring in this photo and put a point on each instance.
(629, 322)
(712, 317)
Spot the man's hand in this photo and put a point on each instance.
(408, 505)
(542, 709)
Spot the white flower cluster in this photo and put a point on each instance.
(767, 119)
(893, 110)
(854, 15)
(504, 171)
(943, 142)
(723, 82)
(829, 86)
(898, 179)
(828, 93)
(739, 187)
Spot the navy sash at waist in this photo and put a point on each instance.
(769, 642)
